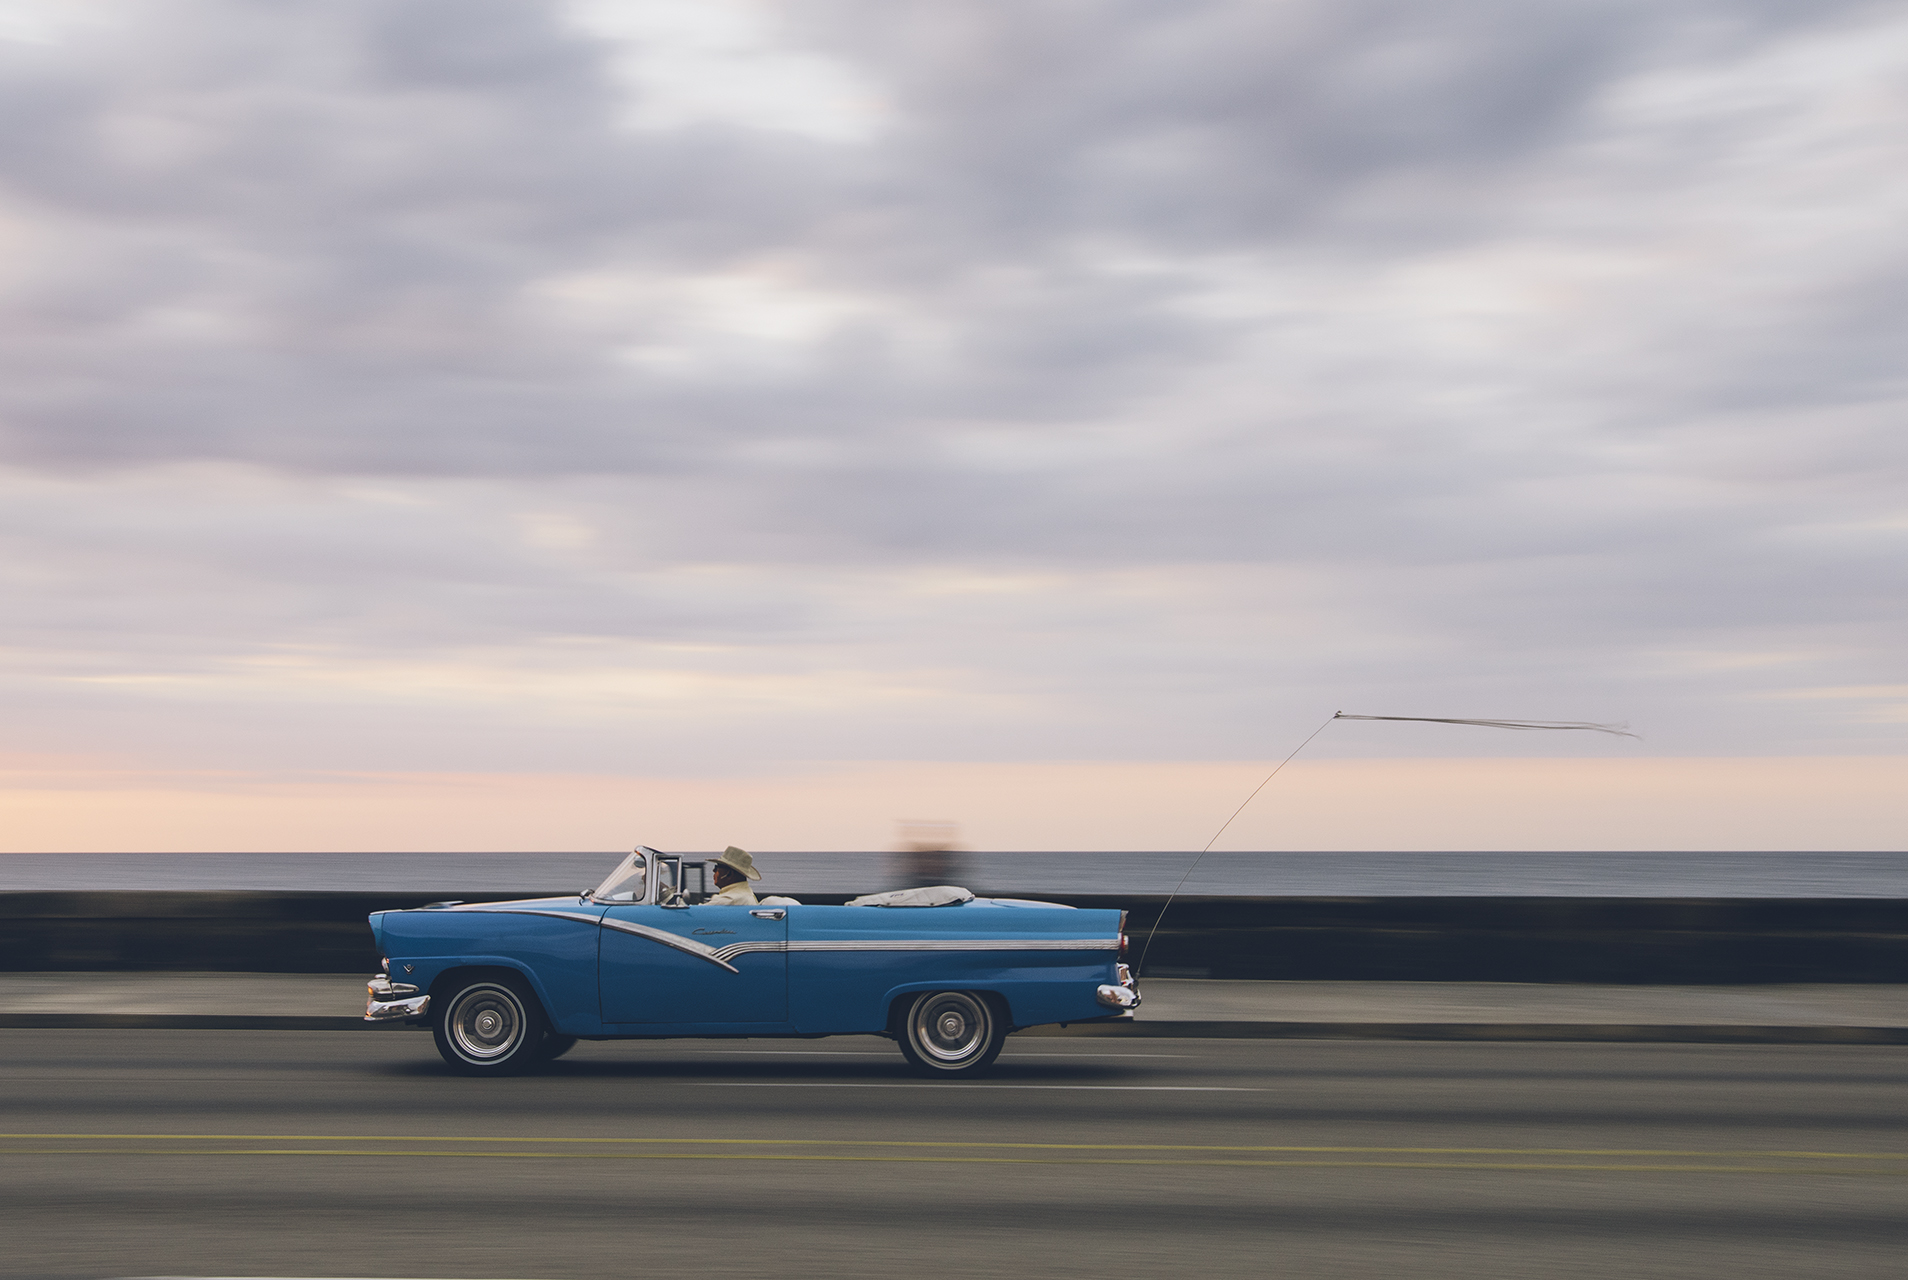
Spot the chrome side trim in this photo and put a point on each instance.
(924, 944)
(735, 949)
(689, 946)
(583, 917)
(960, 944)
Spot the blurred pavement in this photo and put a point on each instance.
(286, 1153)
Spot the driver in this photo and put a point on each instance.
(733, 871)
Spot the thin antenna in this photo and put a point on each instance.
(1140, 969)
(1621, 731)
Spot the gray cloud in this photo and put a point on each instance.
(353, 204)
(1540, 360)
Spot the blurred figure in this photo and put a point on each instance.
(928, 854)
(733, 871)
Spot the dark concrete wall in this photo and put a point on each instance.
(1621, 940)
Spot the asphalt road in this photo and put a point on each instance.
(344, 1154)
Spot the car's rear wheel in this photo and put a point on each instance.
(490, 1026)
(951, 1033)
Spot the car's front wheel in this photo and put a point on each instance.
(951, 1033)
(490, 1026)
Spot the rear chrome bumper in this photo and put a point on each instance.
(1125, 995)
(394, 1001)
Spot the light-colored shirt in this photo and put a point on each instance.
(735, 895)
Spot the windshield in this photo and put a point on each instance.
(627, 882)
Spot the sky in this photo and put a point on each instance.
(474, 423)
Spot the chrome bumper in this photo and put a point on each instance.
(394, 1001)
(1123, 996)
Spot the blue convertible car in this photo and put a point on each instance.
(946, 975)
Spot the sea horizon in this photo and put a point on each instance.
(1369, 873)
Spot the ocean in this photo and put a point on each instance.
(1824, 874)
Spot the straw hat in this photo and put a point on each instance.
(740, 860)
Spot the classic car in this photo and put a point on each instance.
(944, 974)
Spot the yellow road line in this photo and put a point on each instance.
(1445, 1165)
(971, 1146)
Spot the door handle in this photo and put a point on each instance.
(772, 913)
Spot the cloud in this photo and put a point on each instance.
(420, 238)
(1072, 379)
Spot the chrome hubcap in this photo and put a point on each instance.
(950, 1028)
(486, 1023)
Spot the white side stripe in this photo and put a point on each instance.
(960, 944)
(926, 944)
(676, 940)
(668, 939)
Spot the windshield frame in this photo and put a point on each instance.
(650, 859)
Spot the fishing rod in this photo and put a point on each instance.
(1620, 730)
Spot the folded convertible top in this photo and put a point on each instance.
(935, 895)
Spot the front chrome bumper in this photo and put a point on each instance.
(394, 1001)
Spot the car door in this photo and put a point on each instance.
(688, 965)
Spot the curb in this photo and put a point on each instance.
(186, 1021)
(1615, 1033)
(1611, 1032)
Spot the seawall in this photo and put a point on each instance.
(1428, 939)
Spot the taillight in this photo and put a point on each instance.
(1123, 946)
